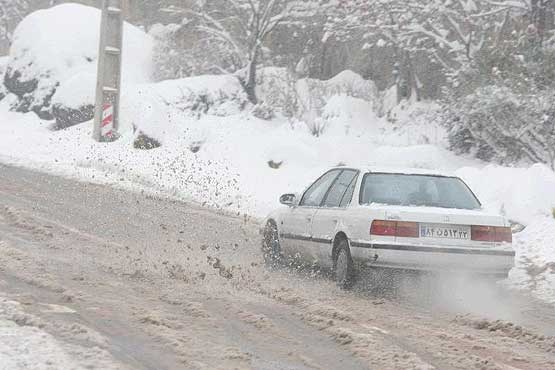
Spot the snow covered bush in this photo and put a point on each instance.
(501, 106)
(263, 111)
(218, 95)
(65, 116)
(50, 47)
(348, 83)
(145, 142)
(276, 87)
(314, 97)
(496, 124)
(158, 109)
(308, 99)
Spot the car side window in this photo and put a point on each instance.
(339, 188)
(314, 195)
(348, 196)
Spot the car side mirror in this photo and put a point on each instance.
(288, 199)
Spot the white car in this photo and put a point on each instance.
(408, 219)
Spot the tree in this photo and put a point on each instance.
(500, 105)
(495, 123)
(238, 30)
(446, 33)
(11, 13)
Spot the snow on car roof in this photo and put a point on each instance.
(401, 170)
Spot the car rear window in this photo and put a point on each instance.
(417, 190)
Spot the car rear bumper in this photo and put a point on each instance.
(496, 262)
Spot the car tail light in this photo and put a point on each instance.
(380, 227)
(503, 234)
(394, 228)
(482, 233)
(491, 234)
(407, 229)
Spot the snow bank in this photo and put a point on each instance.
(535, 259)
(76, 91)
(280, 89)
(350, 83)
(56, 46)
(523, 194)
(316, 93)
(346, 113)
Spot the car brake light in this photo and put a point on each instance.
(407, 229)
(491, 234)
(503, 234)
(394, 228)
(380, 227)
(482, 233)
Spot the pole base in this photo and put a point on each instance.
(109, 138)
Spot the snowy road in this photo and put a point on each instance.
(92, 277)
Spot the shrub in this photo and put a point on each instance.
(66, 116)
(500, 107)
(145, 142)
(497, 124)
(263, 111)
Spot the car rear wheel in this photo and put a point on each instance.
(343, 266)
(270, 245)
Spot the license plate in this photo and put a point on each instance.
(438, 231)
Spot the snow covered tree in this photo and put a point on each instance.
(237, 30)
(172, 57)
(541, 12)
(11, 12)
(495, 123)
(495, 57)
(446, 33)
(499, 106)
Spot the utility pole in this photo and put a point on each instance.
(108, 85)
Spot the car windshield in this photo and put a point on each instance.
(417, 190)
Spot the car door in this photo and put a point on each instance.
(329, 216)
(296, 225)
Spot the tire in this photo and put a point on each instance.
(271, 249)
(343, 267)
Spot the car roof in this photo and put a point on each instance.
(398, 170)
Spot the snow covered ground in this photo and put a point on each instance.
(215, 152)
(25, 344)
(19, 342)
